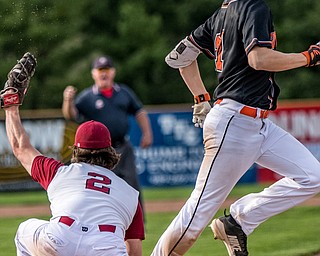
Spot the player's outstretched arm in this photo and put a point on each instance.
(18, 138)
(262, 58)
(11, 97)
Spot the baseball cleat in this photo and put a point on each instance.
(230, 232)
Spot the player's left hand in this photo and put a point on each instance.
(200, 111)
(17, 84)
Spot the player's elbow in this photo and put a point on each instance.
(256, 63)
(259, 58)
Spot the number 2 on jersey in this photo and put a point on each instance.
(98, 184)
(219, 51)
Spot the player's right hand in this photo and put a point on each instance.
(69, 93)
(313, 55)
(200, 111)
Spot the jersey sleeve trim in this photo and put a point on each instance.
(205, 51)
(255, 42)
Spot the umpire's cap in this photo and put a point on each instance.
(92, 135)
(102, 62)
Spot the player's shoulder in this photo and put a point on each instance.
(251, 4)
(250, 8)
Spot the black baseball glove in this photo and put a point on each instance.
(18, 81)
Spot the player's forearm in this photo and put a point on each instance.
(18, 138)
(16, 134)
(261, 58)
(192, 79)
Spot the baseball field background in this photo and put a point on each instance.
(293, 233)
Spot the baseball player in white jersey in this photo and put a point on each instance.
(239, 37)
(94, 212)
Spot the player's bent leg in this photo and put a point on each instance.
(301, 170)
(26, 236)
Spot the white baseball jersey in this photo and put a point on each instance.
(93, 212)
(92, 194)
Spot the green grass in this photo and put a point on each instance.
(174, 193)
(23, 198)
(292, 233)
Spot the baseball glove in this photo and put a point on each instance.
(17, 84)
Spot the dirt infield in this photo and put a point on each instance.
(150, 207)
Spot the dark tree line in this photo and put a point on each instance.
(66, 35)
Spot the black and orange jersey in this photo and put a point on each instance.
(227, 37)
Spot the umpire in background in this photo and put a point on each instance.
(111, 103)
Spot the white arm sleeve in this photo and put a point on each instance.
(183, 54)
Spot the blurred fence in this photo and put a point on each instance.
(176, 154)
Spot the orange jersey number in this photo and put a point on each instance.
(219, 52)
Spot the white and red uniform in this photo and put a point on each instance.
(93, 212)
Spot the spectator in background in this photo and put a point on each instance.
(111, 103)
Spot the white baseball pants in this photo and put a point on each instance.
(43, 238)
(233, 142)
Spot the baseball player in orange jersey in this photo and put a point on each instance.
(240, 38)
(94, 212)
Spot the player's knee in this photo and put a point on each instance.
(311, 181)
(191, 237)
(315, 179)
